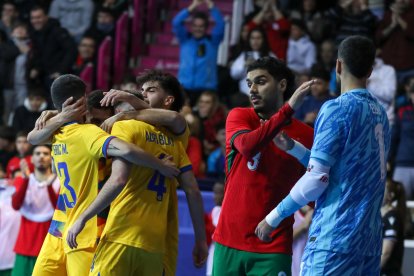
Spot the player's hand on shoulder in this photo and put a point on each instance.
(44, 117)
(200, 253)
(109, 123)
(168, 167)
(73, 232)
(283, 141)
(263, 231)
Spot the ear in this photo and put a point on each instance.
(370, 72)
(168, 101)
(338, 67)
(283, 85)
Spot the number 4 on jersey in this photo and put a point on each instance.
(157, 183)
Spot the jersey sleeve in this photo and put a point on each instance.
(123, 131)
(391, 226)
(183, 137)
(331, 132)
(96, 140)
(183, 163)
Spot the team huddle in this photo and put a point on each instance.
(140, 157)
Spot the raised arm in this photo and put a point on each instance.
(249, 143)
(195, 203)
(43, 131)
(217, 33)
(112, 188)
(169, 119)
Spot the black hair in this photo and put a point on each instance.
(38, 7)
(168, 83)
(94, 98)
(36, 91)
(300, 24)
(358, 54)
(107, 11)
(203, 16)
(277, 69)
(66, 86)
(264, 49)
(318, 71)
(41, 145)
(7, 133)
(22, 133)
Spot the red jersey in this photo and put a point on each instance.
(258, 177)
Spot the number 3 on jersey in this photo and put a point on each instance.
(63, 167)
(157, 183)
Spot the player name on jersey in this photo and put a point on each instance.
(159, 138)
(60, 149)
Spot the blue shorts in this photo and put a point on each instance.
(323, 262)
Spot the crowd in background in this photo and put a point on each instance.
(41, 40)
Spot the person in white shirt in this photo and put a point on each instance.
(383, 85)
(301, 54)
(258, 47)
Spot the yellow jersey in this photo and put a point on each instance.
(76, 150)
(171, 251)
(138, 216)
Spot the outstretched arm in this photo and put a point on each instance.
(137, 156)
(112, 188)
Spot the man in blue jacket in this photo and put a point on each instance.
(198, 50)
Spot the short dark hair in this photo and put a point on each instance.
(277, 69)
(7, 133)
(358, 54)
(318, 71)
(94, 98)
(66, 86)
(136, 94)
(41, 145)
(22, 133)
(107, 11)
(203, 16)
(36, 91)
(38, 7)
(168, 82)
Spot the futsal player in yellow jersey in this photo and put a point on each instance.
(163, 93)
(76, 149)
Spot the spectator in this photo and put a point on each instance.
(393, 231)
(352, 17)
(257, 47)
(73, 15)
(215, 161)
(117, 6)
(20, 36)
(54, 50)
(241, 45)
(383, 85)
(403, 140)
(10, 223)
(25, 116)
(211, 113)
(8, 53)
(377, 7)
(7, 148)
(327, 59)
(301, 53)
(198, 49)
(316, 24)
(9, 15)
(319, 95)
(35, 197)
(396, 31)
(276, 25)
(195, 147)
(104, 25)
(23, 149)
(86, 54)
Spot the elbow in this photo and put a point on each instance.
(31, 138)
(15, 205)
